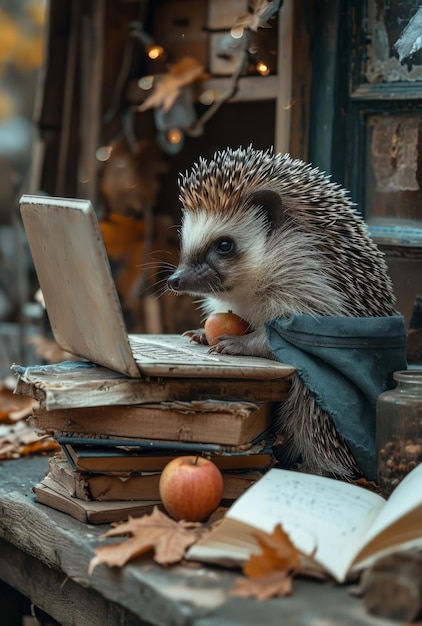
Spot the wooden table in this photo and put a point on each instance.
(44, 555)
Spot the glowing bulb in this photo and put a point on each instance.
(104, 153)
(207, 97)
(174, 136)
(237, 32)
(154, 52)
(145, 82)
(262, 68)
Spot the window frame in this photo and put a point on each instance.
(341, 104)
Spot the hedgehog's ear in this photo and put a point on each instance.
(269, 203)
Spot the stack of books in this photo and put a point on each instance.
(111, 457)
(116, 434)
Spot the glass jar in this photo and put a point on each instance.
(399, 429)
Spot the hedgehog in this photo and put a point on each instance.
(268, 236)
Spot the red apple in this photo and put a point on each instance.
(191, 488)
(219, 324)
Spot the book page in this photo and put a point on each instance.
(316, 512)
(405, 498)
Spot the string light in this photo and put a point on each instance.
(237, 32)
(208, 96)
(152, 50)
(104, 153)
(174, 136)
(155, 52)
(229, 47)
(262, 68)
(146, 82)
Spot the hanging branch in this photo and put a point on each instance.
(198, 128)
(262, 11)
(188, 70)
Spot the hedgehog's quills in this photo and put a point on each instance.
(267, 236)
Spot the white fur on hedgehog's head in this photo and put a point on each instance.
(261, 234)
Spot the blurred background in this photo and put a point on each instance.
(22, 54)
(110, 99)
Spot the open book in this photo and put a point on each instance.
(346, 525)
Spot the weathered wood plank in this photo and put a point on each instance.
(48, 555)
(56, 594)
(61, 543)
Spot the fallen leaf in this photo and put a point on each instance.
(169, 540)
(45, 444)
(24, 411)
(367, 484)
(14, 407)
(276, 584)
(167, 88)
(252, 19)
(20, 439)
(277, 554)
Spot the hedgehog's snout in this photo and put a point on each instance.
(193, 279)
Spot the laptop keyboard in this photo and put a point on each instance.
(158, 352)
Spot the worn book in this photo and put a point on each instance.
(137, 455)
(103, 487)
(93, 512)
(78, 384)
(206, 421)
(344, 526)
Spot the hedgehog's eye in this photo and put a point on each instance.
(225, 246)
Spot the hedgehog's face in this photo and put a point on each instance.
(220, 252)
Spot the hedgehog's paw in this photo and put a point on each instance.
(229, 344)
(196, 336)
(252, 344)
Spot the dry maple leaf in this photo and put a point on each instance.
(20, 439)
(270, 573)
(168, 539)
(253, 19)
(168, 87)
(275, 584)
(277, 554)
(367, 484)
(14, 407)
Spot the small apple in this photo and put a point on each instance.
(191, 488)
(227, 323)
